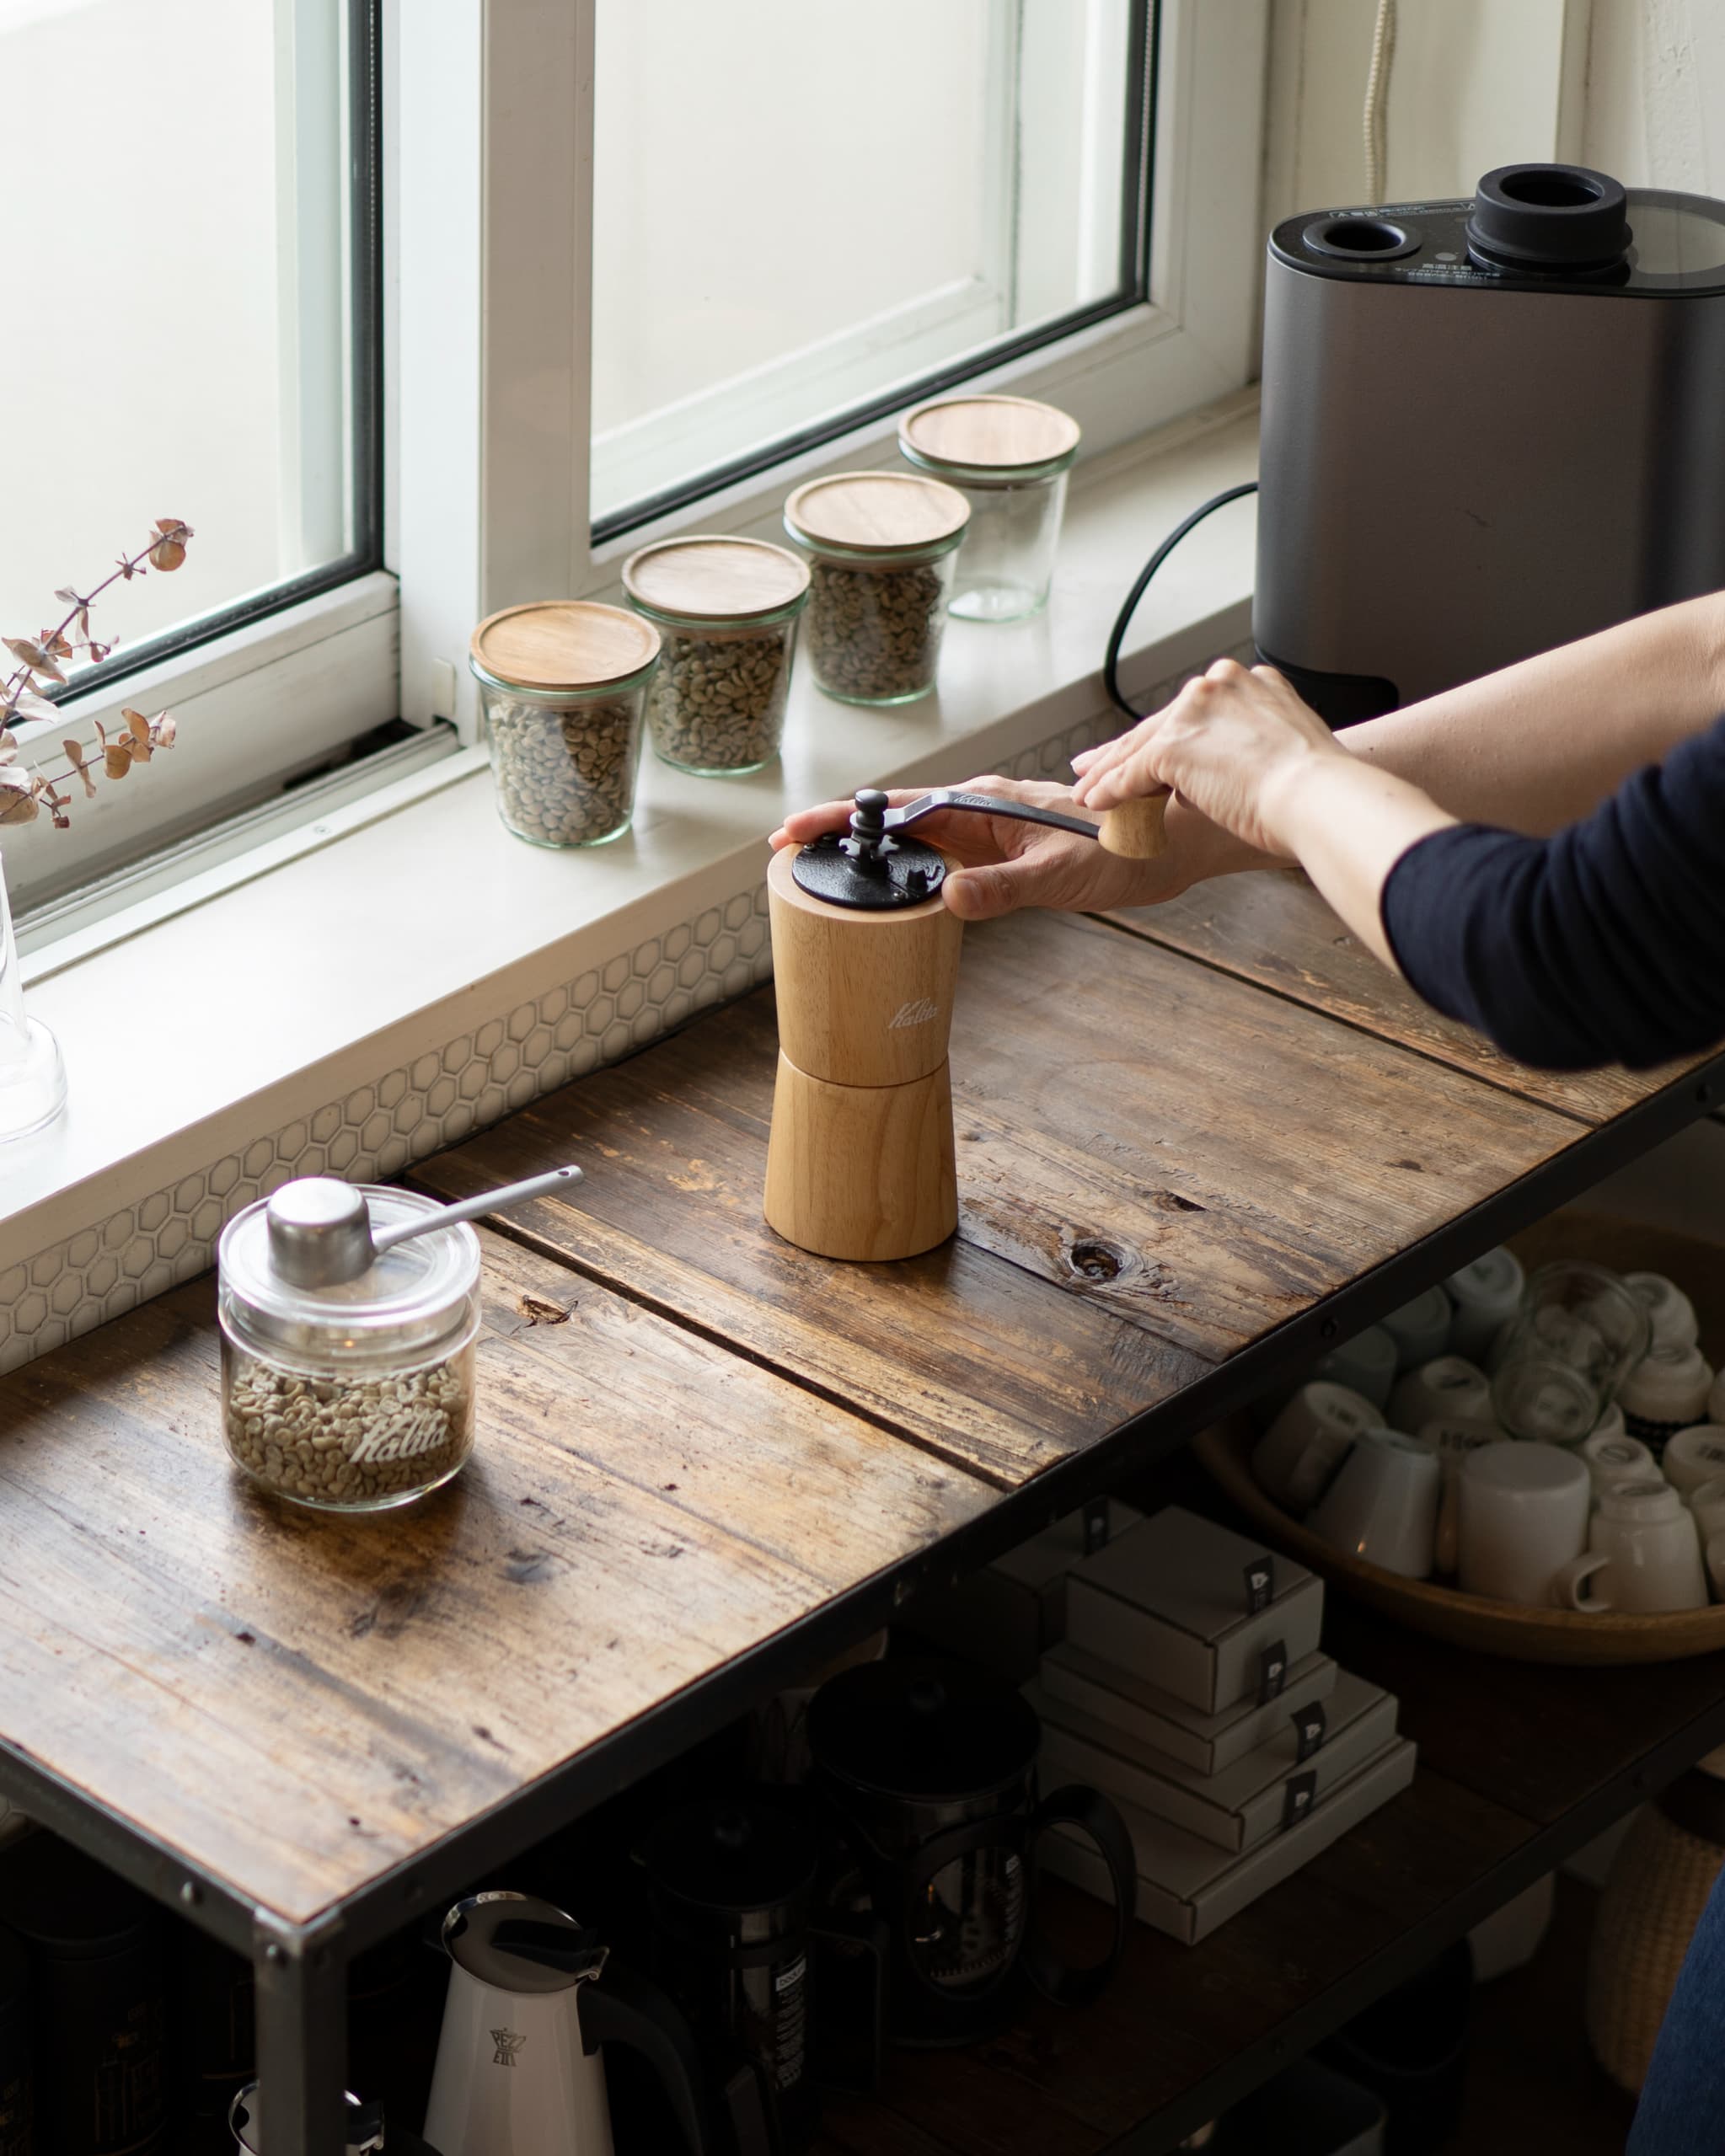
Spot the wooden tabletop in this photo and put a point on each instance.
(1176, 1133)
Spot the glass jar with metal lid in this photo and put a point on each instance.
(727, 611)
(1009, 457)
(563, 684)
(881, 547)
(357, 1394)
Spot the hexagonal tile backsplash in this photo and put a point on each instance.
(403, 1115)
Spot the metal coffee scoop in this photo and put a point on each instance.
(321, 1234)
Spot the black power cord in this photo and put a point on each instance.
(1110, 662)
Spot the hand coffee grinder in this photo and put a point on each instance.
(860, 1164)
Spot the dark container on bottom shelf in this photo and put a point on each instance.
(17, 2077)
(213, 2047)
(1410, 2048)
(99, 1996)
(1308, 2109)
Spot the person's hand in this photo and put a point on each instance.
(1004, 865)
(1232, 745)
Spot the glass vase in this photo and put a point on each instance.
(32, 1077)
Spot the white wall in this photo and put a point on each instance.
(1636, 88)
(1473, 83)
(1655, 111)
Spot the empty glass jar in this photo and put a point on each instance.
(1009, 457)
(356, 1397)
(727, 611)
(1561, 1362)
(563, 684)
(881, 547)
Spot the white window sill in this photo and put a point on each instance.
(290, 1019)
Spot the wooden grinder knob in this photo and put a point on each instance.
(1135, 829)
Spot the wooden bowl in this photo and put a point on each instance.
(1498, 1628)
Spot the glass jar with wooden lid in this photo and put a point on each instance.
(1009, 457)
(881, 545)
(563, 684)
(726, 610)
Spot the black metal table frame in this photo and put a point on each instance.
(301, 1969)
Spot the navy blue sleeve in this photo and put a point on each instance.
(1603, 944)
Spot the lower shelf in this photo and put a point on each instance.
(1518, 1766)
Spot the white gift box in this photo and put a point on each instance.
(1196, 1609)
(1188, 1886)
(1316, 1749)
(1086, 1684)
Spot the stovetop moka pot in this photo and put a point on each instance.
(533, 1999)
(927, 1768)
(861, 1159)
(792, 2002)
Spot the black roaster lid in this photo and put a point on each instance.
(733, 1853)
(924, 1728)
(1551, 216)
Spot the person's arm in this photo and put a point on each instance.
(1530, 748)
(1535, 745)
(1599, 943)
(1602, 943)
(1240, 748)
(1543, 742)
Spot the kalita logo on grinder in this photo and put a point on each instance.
(917, 1011)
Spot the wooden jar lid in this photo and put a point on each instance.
(715, 578)
(988, 434)
(877, 512)
(564, 644)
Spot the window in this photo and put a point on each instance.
(673, 257)
(190, 217)
(801, 215)
(582, 268)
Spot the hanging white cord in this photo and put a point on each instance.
(1377, 100)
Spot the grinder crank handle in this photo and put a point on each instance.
(1133, 830)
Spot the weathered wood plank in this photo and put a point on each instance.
(1275, 930)
(1236, 1155)
(1149, 1140)
(971, 1355)
(298, 1703)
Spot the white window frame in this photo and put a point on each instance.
(487, 220)
(294, 687)
(494, 259)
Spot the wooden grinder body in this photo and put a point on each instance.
(860, 1164)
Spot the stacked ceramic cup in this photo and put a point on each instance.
(1368, 1450)
(1551, 1440)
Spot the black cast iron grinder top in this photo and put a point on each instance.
(871, 868)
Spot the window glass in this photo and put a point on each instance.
(799, 213)
(178, 228)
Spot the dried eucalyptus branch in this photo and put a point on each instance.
(23, 793)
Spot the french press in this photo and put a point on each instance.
(533, 1998)
(793, 2004)
(928, 1771)
(860, 1161)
